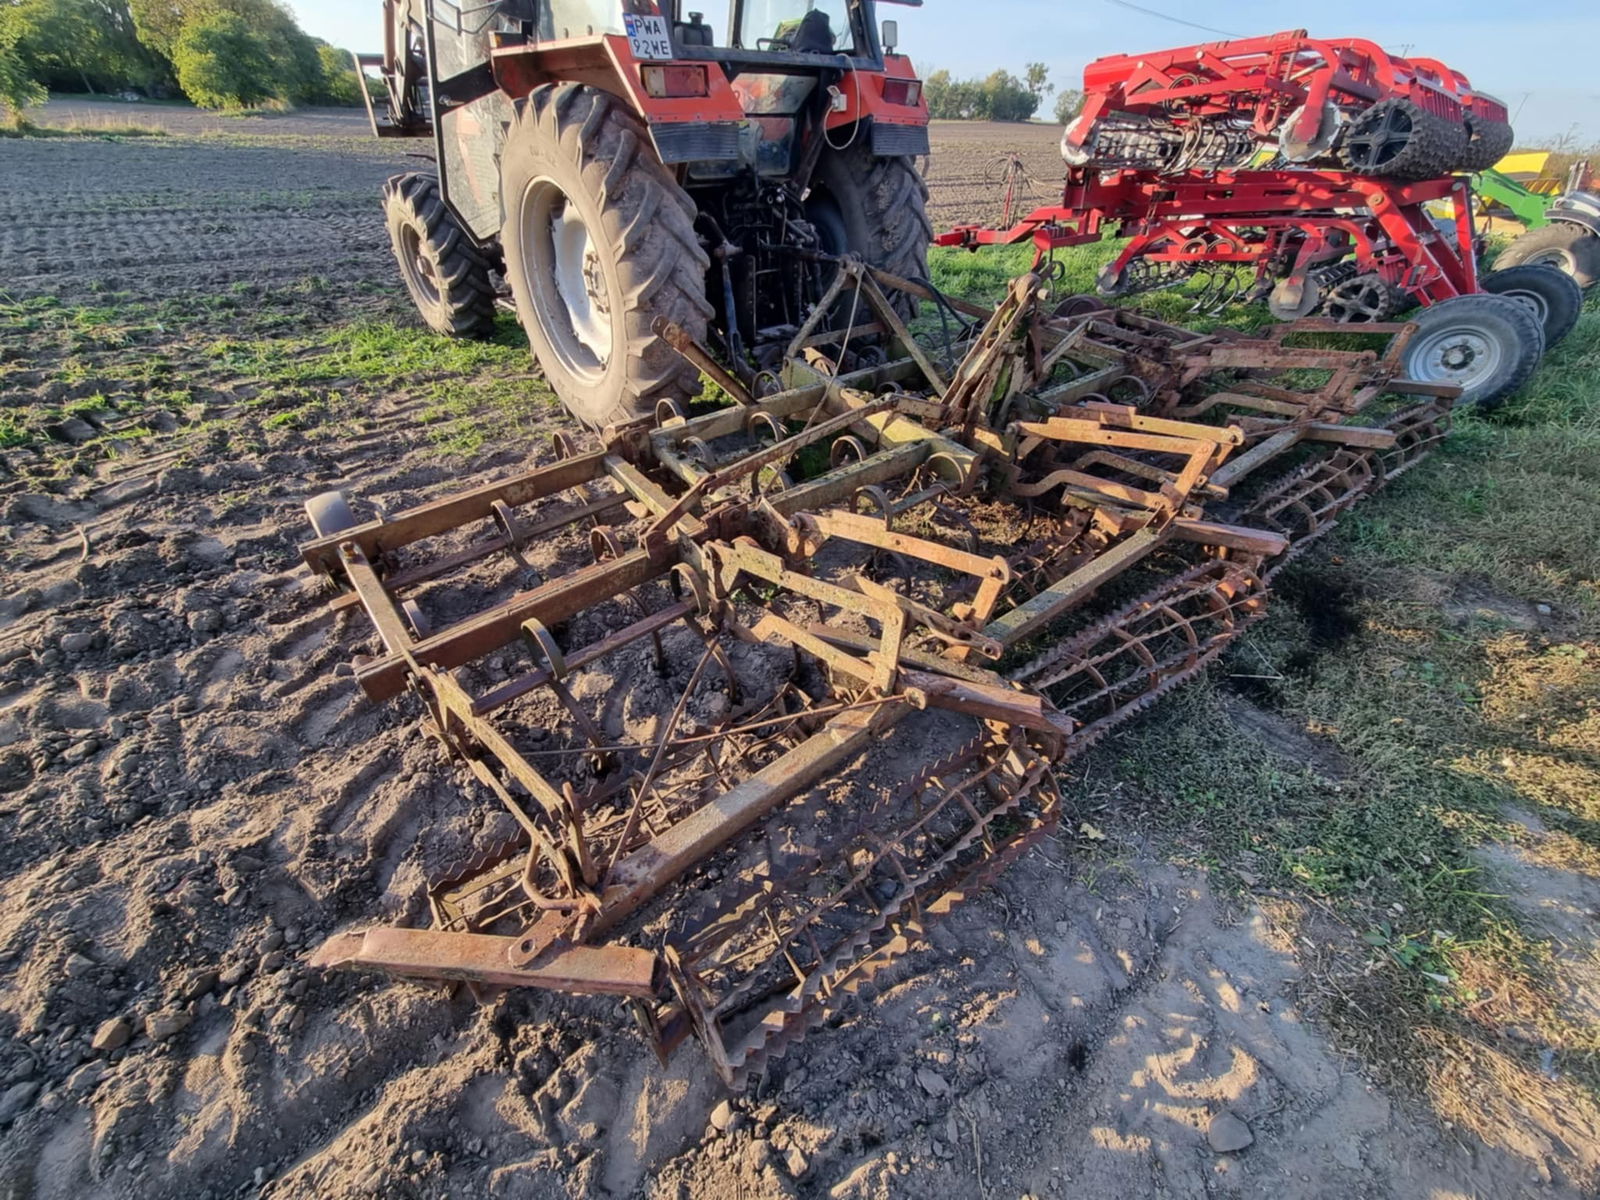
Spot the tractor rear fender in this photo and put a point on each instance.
(1577, 208)
(892, 101)
(686, 128)
(1568, 216)
(706, 128)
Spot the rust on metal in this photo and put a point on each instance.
(1010, 552)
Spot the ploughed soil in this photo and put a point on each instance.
(194, 792)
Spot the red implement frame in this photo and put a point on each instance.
(1270, 80)
(1284, 222)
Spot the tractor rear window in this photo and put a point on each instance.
(801, 26)
(576, 18)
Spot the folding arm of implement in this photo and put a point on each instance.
(1296, 168)
(866, 619)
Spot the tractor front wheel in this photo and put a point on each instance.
(1553, 296)
(1562, 244)
(599, 241)
(1486, 345)
(443, 269)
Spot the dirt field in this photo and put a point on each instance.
(200, 330)
(971, 166)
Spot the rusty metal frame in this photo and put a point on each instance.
(720, 527)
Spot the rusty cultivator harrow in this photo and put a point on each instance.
(761, 693)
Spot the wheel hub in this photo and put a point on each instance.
(581, 282)
(1459, 356)
(423, 276)
(565, 270)
(1463, 357)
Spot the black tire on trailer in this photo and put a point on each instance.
(1553, 296)
(1565, 245)
(882, 206)
(1487, 143)
(1486, 345)
(445, 272)
(599, 241)
(1397, 139)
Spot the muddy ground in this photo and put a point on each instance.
(193, 793)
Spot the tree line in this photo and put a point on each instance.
(999, 96)
(218, 53)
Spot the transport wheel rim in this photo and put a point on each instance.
(571, 297)
(1531, 299)
(1466, 358)
(1561, 260)
(418, 265)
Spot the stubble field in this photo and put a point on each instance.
(1343, 891)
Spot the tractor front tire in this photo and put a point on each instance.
(1552, 295)
(599, 241)
(1488, 346)
(445, 272)
(881, 207)
(1564, 245)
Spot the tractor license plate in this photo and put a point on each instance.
(647, 35)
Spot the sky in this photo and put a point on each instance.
(1542, 60)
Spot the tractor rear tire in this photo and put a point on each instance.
(445, 272)
(1552, 295)
(1486, 345)
(1561, 244)
(1398, 140)
(599, 241)
(882, 206)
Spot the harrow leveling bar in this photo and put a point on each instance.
(761, 693)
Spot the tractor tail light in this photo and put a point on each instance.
(679, 79)
(902, 91)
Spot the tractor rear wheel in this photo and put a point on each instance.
(1486, 345)
(880, 205)
(445, 272)
(1562, 244)
(1553, 296)
(599, 241)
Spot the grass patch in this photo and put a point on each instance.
(381, 353)
(105, 131)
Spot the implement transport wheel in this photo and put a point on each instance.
(1553, 296)
(1487, 143)
(1397, 139)
(1562, 244)
(878, 209)
(445, 272)
(1486, 345)
(599, 241)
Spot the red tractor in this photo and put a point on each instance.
(625, 167)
